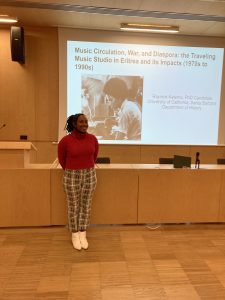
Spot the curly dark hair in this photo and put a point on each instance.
(71, 121)
(117, 88)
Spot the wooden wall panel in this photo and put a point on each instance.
(125, 194)
(46, 152)
(25, 197)
(181, 195)
(29, 92)
(222, 198)
(115, 199)
(121, 153)
(11, 159)
(58, 198)
(42, 64)
(151, 154)
(208, 154)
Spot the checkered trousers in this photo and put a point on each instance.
(79, 186)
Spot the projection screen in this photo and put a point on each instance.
(137, 93)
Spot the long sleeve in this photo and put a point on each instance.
(96, 149)
(62, 153)
(77, 151)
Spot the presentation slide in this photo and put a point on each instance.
(146, 94)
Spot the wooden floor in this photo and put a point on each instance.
(176, 262)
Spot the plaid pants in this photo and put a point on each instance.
(79, 186)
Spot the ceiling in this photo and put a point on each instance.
(194, 17)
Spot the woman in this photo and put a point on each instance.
(128, 111)
(77, 153)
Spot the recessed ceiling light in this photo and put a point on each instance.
(7, 19)
(149, 28)
(212, 1)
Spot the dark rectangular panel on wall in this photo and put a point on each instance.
(17, 44)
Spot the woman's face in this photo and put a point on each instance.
(82, 124)
(115, 103)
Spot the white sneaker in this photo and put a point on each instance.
(76, 240)
(83, 239)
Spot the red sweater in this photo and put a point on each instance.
(78, 151)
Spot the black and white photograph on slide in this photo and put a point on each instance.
(113, 105)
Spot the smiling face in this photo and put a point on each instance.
(82, 124)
